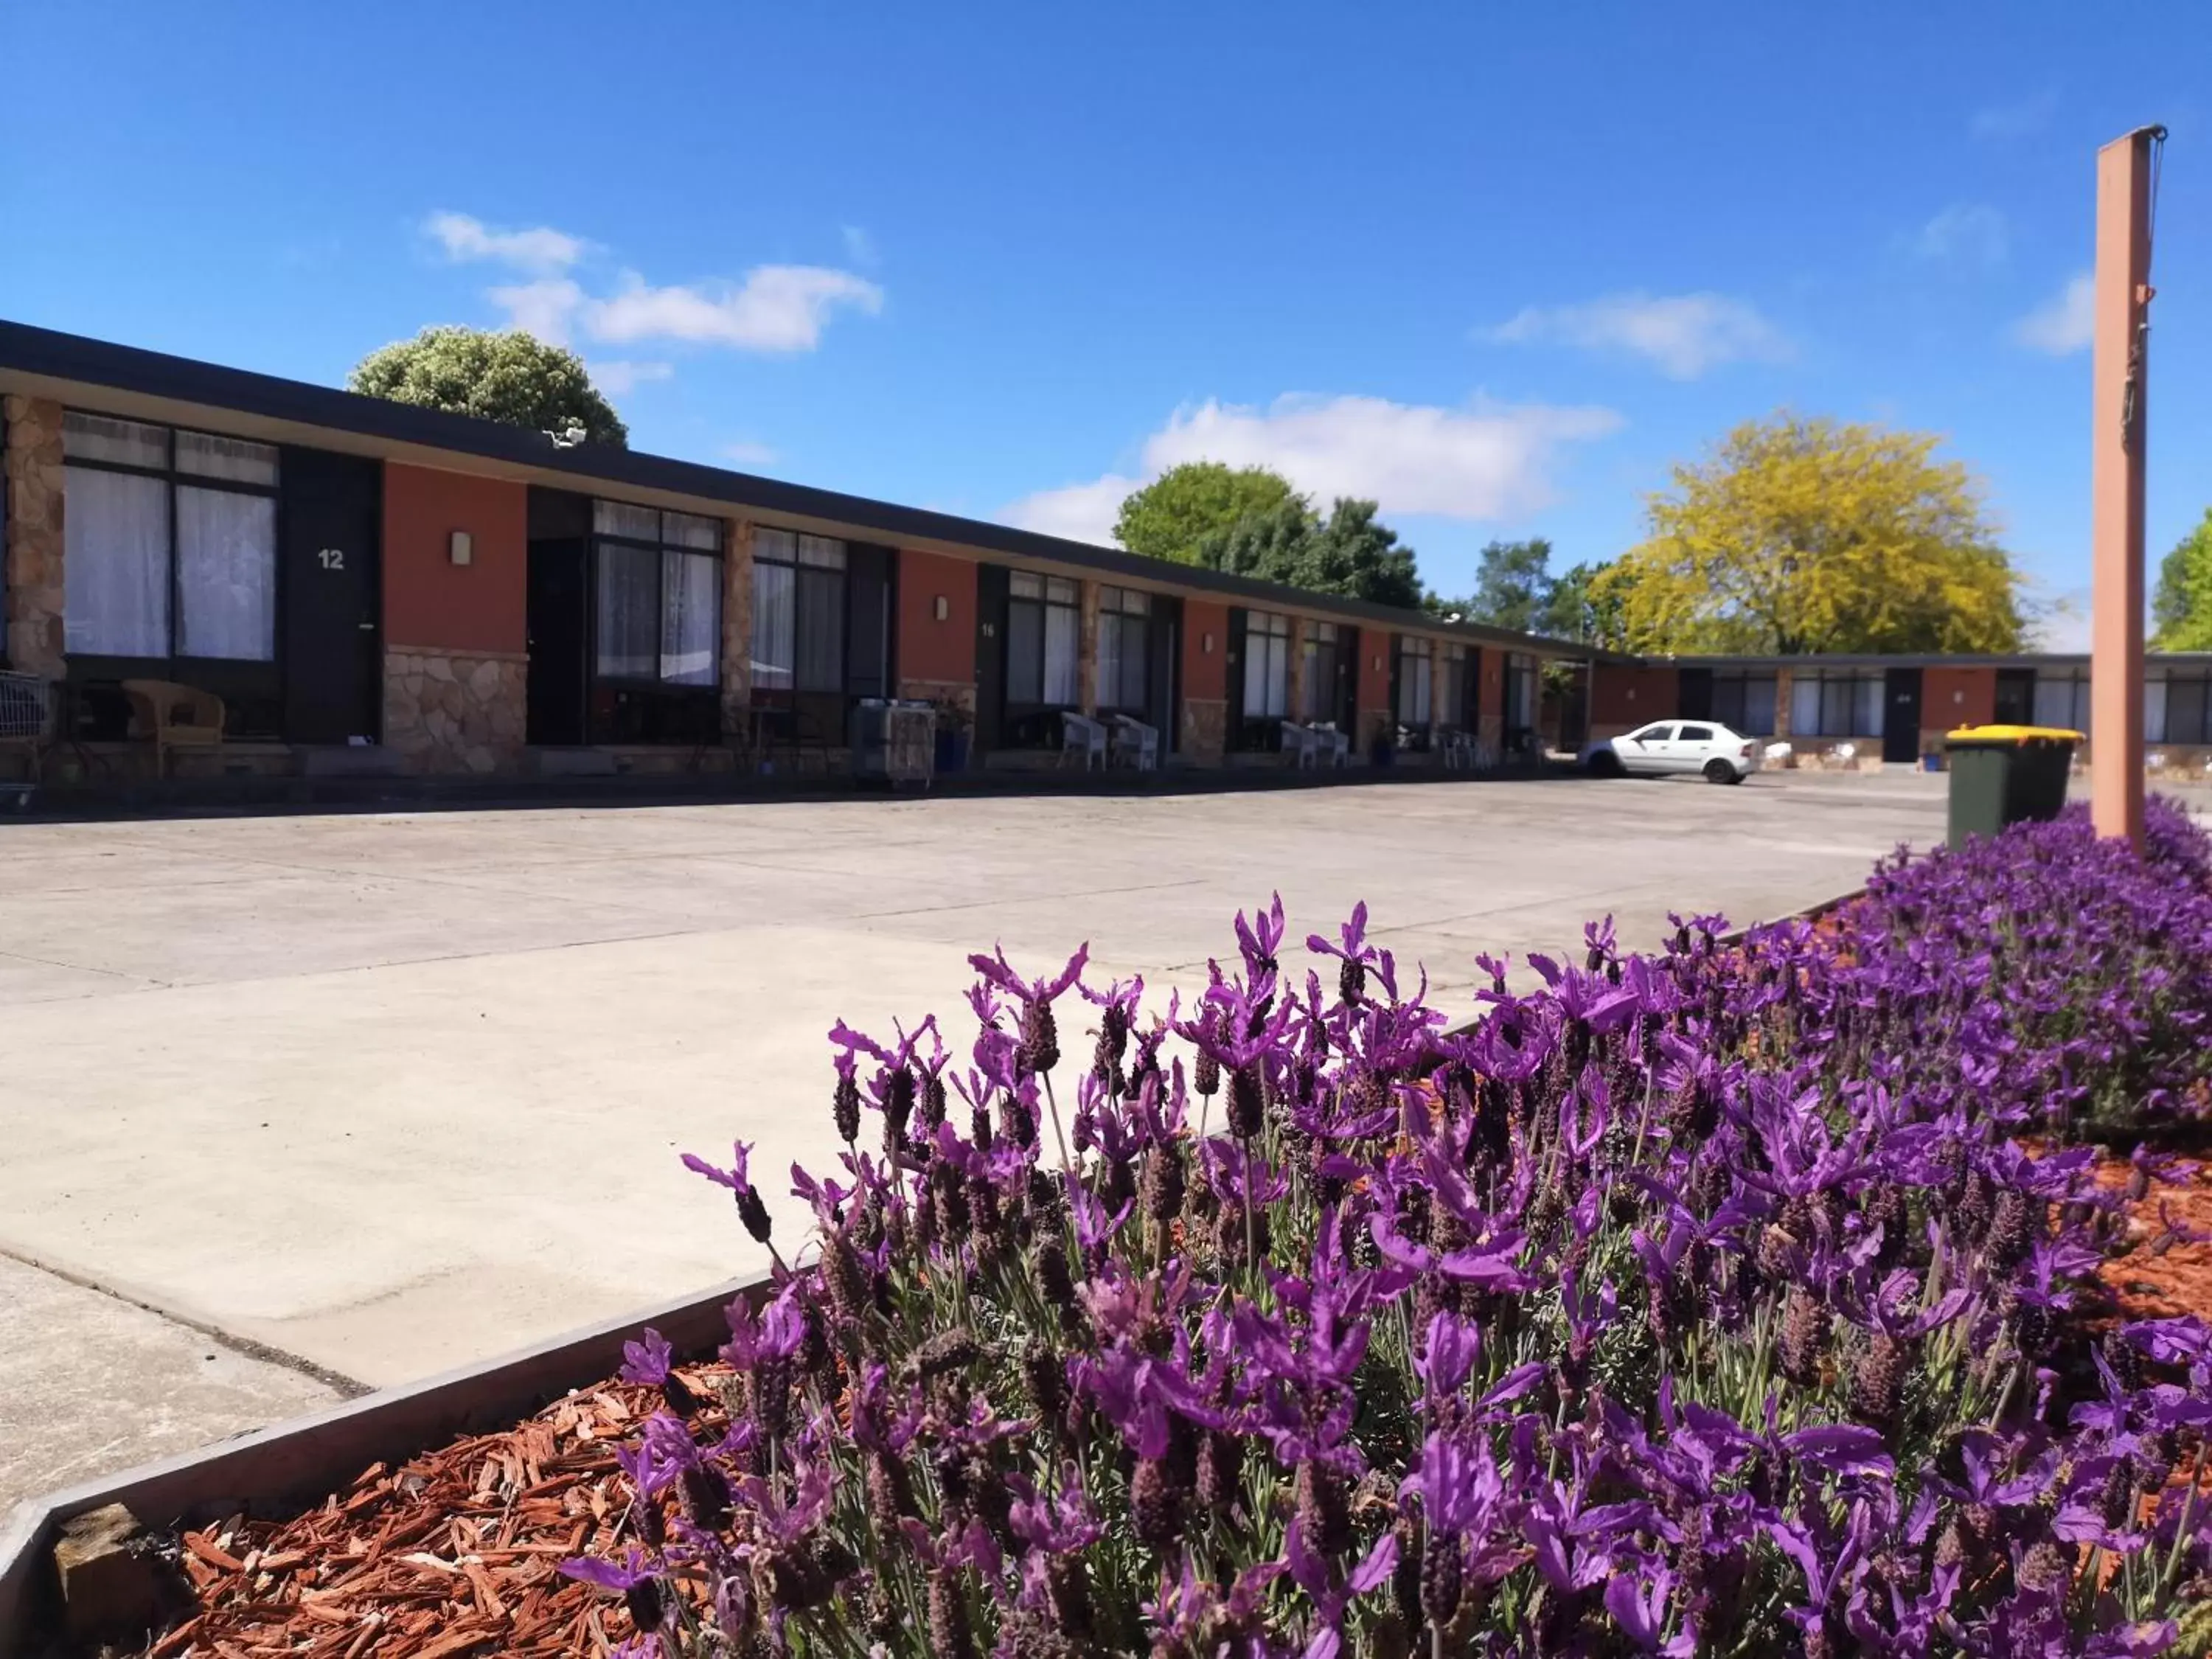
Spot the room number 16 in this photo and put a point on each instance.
(333, 558)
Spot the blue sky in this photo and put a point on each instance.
(1498, 266)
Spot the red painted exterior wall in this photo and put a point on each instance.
(1957, 696)
(428, 600)
(1623, 698)
(1204, 675)
(1376, 646)
(929, 649)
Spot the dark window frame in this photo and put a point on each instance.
(658, 681)
(252, 688)
(1320, 658)
(839, 575)
(1044, 602)
(1417, 656)
(1114, 601)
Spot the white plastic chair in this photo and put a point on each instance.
(1332, 748)
(1299, 744)
(1136, 743)
(1080, 735)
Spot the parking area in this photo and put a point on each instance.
(386, 1093)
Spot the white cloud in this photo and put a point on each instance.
(859, 246)
(745, 452)
(1964, 233)
(542, 251)
(2014, 120)
(618, 377)
(546, 308)
(1081, 512)
(775, 309)
(1682, 335)
(1485, 461)
(2064, 324)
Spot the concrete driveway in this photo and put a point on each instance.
(382, 1094)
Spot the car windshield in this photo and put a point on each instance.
(1651, 734)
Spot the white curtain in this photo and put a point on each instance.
(226, 574)
(1757, 706)
(1062, 625)
(1266, 676)
(1873, 708)
(1805, 706)
(2153, 711)
(629, 594)
(117, 546)
(774, 588)
(690, 617)
(211, 457)
(2054, 700)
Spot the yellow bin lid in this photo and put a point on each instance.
(2013, 734)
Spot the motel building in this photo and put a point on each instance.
(351, 586)
(369, 586)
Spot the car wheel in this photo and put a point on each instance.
(1605, 764)
(1719, 771)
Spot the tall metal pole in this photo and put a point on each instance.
(2119, 401)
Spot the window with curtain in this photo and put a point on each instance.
(1744, 701)
(1044, 627)
(1458, 711)
(1840, 702)
(1267, 665)
(2062, 698)
(1520, 693)
(657, 588)
(170, 539)
(2177, 708)
(1124, 654)
(798, 612)
(1319, 647)
(1415, 658)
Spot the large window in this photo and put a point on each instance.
(1044, 628)
(657, 580)
(798, 612)
(1743, 701)
(1835, 702)
(2178, 706)
(1125, 618)
(2062, 698)
(1267, 665)
(170, 539)
(1457, 713)
(1320, 647)
(1520, 696)
(1415, 672)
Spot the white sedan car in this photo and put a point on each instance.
(1703, 749)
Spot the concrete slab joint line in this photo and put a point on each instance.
(344, 1387)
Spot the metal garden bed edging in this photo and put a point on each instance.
(308, 1456)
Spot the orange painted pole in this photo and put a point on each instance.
(2119, 406)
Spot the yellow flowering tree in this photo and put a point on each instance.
(1802, 535)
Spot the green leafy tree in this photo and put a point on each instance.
(1512, 586)
(1803, 535)
(1356, 555)
(1582, 605)
(1268, 546)
(511, 376)
(1171, 516)
(2181, 610)
(1349, 553)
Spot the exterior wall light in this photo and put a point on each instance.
(1207, 645)
(944, 608)
(459, 548)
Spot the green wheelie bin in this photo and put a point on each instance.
(2002, 774)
